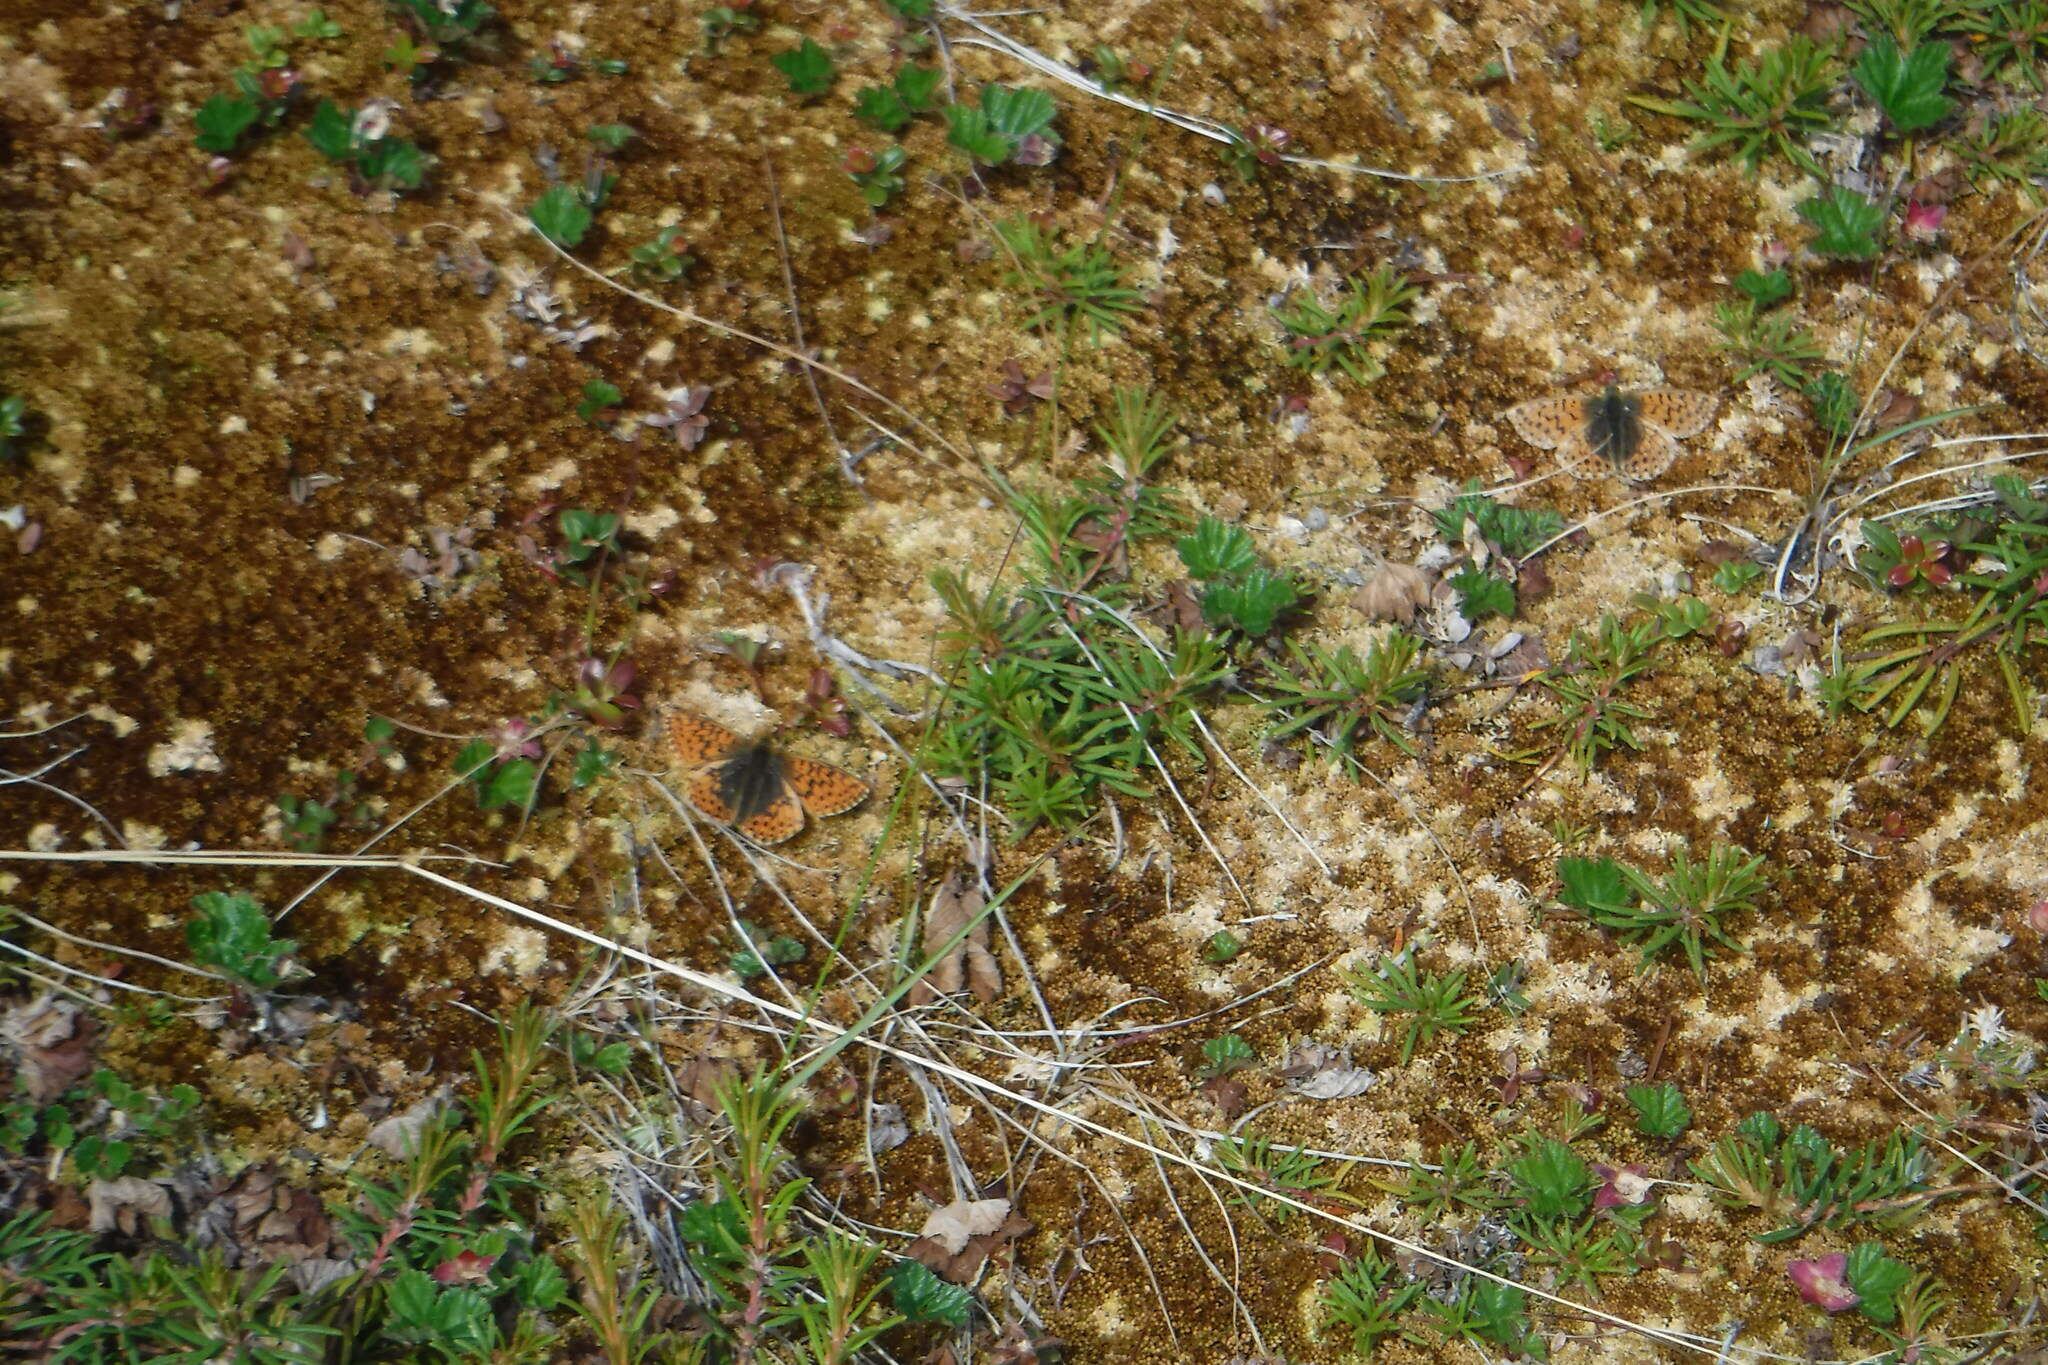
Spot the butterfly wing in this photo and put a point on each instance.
(781, 821)
(1576, 457)
(1682, 412)
(823, 789)
(1652, 456)
(697, 742)
(1547, 423)
(705, 792)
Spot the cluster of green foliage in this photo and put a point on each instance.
(1054, 694)
(1080, 286)
(1797, 1180)
(1506, 533)
(1684, 908)
(997, 129)
(1585, 1224)
(265, 89)
(96, 1130)
(1592, 719)
(1761, 337)
(1774, 103)
(2001, 618)
(1338, 335)
(1239, 594)
(378, 160)
(449, 1261)
(1434, 1002)
(449, 1203)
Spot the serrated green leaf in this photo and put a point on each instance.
(222, 121)
(1908, 88)
(1661, 1111)
(562, 217)
(1765, 287)
(880, 107)
(1847, 222)
(922, 1296)
(511, 784)
(1221, 1056)
(917, 85)
(1018, 112)
(1877, 1278)
(808, 68)
(1216, 549)
(1480, 595)
(1591, 883)
(968, 129)
(328, 131)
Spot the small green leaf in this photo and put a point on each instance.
(1878, 1279)
(918, 85)
(599, 397)
(1252, 606)
(1735, 575)
(562, 217)
(511, 784)
(1661, 1111)
(1480, 595)
(231, 934)
(1222, 947)
(1221, 1056)
(1834, 401)
(1592, 883)
(808, 68)
(392, 161)
(1216, 549)
(474, 761)
(1017, 113)
(222, 120)
(611, 136)
(1847, 222)
(921, 1296)
(1765, 287)
(881, 107)
(1908, 88)
(967, 128)
(328, 131)
(592, 765)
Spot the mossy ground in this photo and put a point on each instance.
(188, 370)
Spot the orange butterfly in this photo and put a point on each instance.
(761, 793)
(1636, 433)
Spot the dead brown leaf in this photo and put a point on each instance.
(970, 964)
(283, 1222)
(963, 1266)
(53, 1039)
(1395, 593)
(399, 1136)
(953, 1226)
(1182, 608)
(1228, 1095)
(127, 1205)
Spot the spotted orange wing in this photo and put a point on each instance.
(1655, 450)
(1547, 423)
(697, 742)
(1667, 415)
(1682, 412)
(782, 820)
(823, 789)
(703, 793)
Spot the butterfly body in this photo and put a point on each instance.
(1634, 434)
(764, 794)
